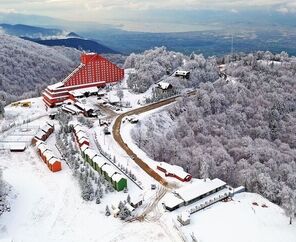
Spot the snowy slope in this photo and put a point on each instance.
(240, 220)
(48, 207)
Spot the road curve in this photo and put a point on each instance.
(117, 136)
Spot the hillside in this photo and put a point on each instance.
(49, 206)
(55, 37)
(240, 129)
(27, 67)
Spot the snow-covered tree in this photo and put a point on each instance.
(288, 202)
(120, 95)
(107, 211)
(240, 129)
(124, 213)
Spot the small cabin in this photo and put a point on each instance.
(184, 218)
(41, 135)
(136, 201)
(184, 74)
(54, 164)
(17, 147)
(83, 141)
(164, 86)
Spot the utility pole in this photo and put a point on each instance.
(231, 45)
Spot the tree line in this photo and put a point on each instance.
(241, 129)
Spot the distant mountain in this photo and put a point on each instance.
(27, 67)
(31, 31)
(77, 43)
(55, 37)
(72, 34)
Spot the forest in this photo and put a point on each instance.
(26, 68)
(240, 129)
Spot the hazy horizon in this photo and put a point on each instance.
(154, 16)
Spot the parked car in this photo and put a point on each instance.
(153, 186)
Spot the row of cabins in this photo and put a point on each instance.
(118, 181)
(174, 171)
(43, 133)
(53, 163)
(80, 135)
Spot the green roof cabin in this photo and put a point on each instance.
(119, 182)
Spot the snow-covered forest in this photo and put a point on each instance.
(26, 67)
(159, 64)
(241, 129)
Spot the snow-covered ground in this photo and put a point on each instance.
(134, 99)
(16, 115)
(47, 206)
(237, 220)
(240, 220)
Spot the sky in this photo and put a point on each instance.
(136, 11)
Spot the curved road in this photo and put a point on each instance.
(117, 136)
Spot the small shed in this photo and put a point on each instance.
(184, 218)
(17, 147)
(184, 74)
(136, 201)
(54, 164)
(164, 85)
(129, 207)
(174, 171)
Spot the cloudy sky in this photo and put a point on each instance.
(106, 11)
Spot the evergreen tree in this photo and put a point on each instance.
(107, 211)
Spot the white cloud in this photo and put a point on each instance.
(287, 8)
(101, 10)
(147, 4)
(7, 10)
(234, 10)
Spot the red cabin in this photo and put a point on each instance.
(174, 171)
(54, 164)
